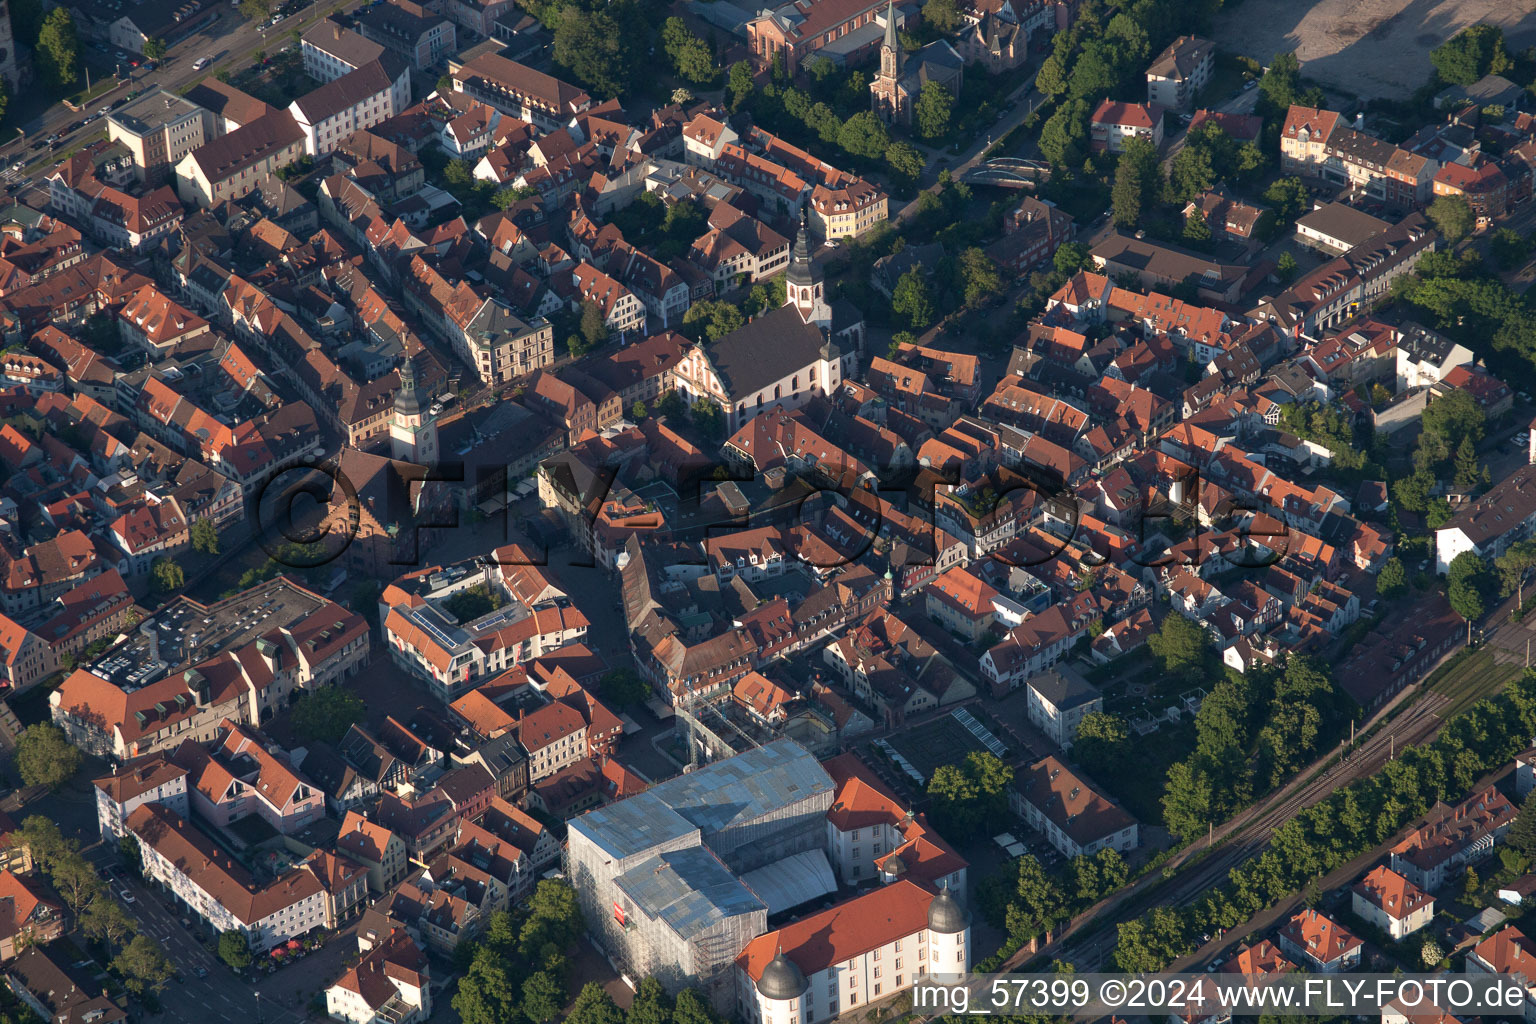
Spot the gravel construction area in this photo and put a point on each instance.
(1368, 47)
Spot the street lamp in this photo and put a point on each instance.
(258, 1009)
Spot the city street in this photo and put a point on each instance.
(222, 995)
(231, 35)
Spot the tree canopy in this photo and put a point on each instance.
(45, 757)
(327, 713)
(1473, 52)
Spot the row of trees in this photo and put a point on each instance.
(136, 958)
(517, 972)
(1346, 824)
(969, 281)
(1253, 730)
(1455, 294)
(1105, 54)
(860, 140)
(1027, 901)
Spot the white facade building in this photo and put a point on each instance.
(211, 885)
(860, 952)
(155, 779)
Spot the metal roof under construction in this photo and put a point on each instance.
(788, 883)
(739, 789)
(689, 890)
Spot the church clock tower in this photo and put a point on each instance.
(412, 430)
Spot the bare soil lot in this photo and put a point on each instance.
(1368, 47)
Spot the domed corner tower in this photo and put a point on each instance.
(781, 991)
(949, 936)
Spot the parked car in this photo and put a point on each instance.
(1252, 83)
(127, 897)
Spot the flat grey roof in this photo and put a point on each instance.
(632, 826)
(745, 787)
(688, 889)
(712, 799)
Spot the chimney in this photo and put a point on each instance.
(1360, 121)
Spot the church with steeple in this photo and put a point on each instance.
(781, 358)
(412, 428)
(901, 78)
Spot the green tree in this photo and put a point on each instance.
(692, 1009)
(690, 55)
(1470, 884)
(1285, 267)
(931, 112)
(1522, 834)
(1138, 179)
(1452, 217)
(652, 1005)
(712, 320)
(707, 418)
(1064, 136)
(108, 922)
(863, 135)
(904, 160)
(638, 411)
(234, 950)
(1281, 84)
(740, 84)
(76, 880)
(258, 11)
(445, 84)
(1070, 258)
(1468, 469)
(1508, 248)
(623, 688)
(154, 48)
(42, 837)
(1467, 582)
(911, 299)
(58, 48)
(594, 1006)
(45, 757)
(1051, 80)
(1187, 800)
(594, 327)
(966, 797)
(943, 15)
(143, 966)
(543, 997)
(486, 992)
(980, 279)
(1197, 233)
(1470, 54)
(205, 536)
(1192, 172)
(166, 575)
(128, 849)
(326, 714)
(1289, 198)
(594, 48)
(1513, 564)
(1393, 579)
(1180, 645)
